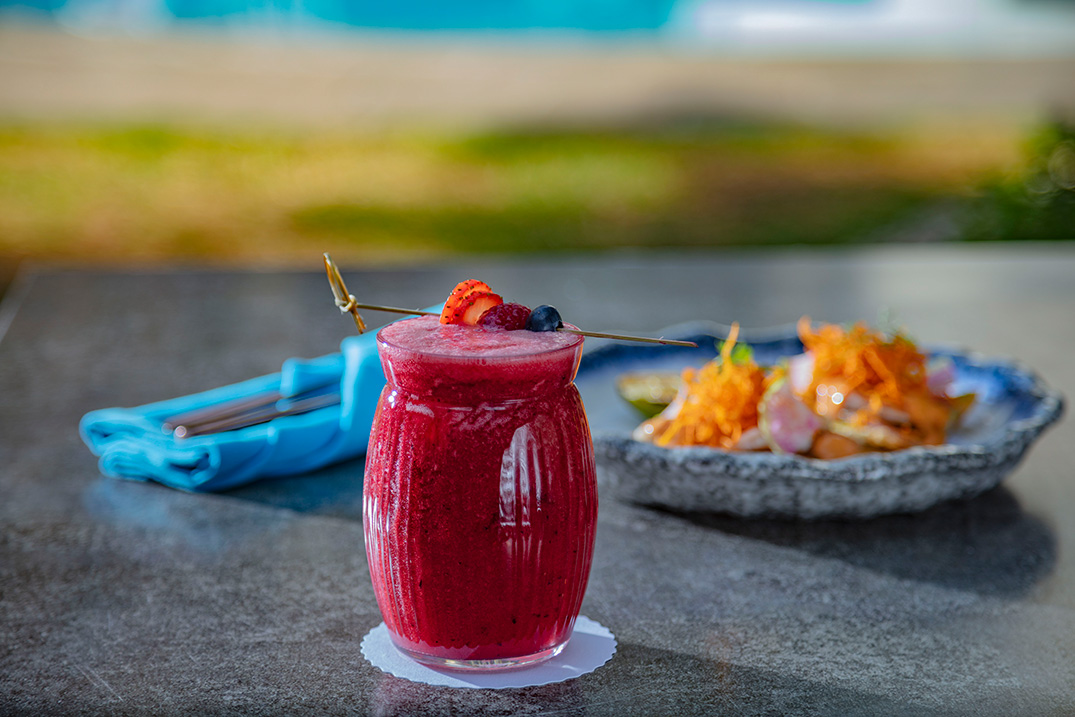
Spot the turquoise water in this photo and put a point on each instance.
(831, 28)
(598, 16)
(592, 15)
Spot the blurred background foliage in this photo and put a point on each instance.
(150, 193)
(234, 133)
(1036, 203)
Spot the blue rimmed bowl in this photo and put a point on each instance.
(1012, 409)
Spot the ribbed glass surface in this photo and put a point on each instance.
(480, 522)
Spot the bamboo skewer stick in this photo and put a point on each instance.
(396, 310)
(348, 304)
(626, 337)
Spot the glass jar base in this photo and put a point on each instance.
(504, 663)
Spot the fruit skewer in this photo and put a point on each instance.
(348, 304)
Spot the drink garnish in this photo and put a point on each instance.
(467, 304)
(510, 317)
(544, 318)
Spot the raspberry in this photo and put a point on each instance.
(511, 317)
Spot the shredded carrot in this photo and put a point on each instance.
(857, 366)
(865, 384)
(720, 402)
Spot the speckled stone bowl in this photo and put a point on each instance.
(1012, 409)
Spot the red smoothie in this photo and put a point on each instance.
(480, 500)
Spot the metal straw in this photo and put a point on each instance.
(263, 414)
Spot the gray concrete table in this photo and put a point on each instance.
(125, 598)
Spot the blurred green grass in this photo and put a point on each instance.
(141, 194)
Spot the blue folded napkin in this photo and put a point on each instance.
(132, 444)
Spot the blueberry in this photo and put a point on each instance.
(544, 318)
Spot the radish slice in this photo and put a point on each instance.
(940, 374)
(801, 372)
(788, 424)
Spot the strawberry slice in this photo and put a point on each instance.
(455, 299)
(473, 306)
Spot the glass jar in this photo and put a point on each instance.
(480, 499)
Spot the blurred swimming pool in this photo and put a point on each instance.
(856, 28)
(422, 15)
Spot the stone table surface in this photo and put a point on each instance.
(122, 598)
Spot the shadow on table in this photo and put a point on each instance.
(203, 523)
(335, 491)
(396, 696)
(988, 545)
(643, 680)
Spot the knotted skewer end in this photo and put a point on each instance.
(345, 300)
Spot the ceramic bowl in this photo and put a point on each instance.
(1013, 407)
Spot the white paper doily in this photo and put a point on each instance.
(591, 645)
